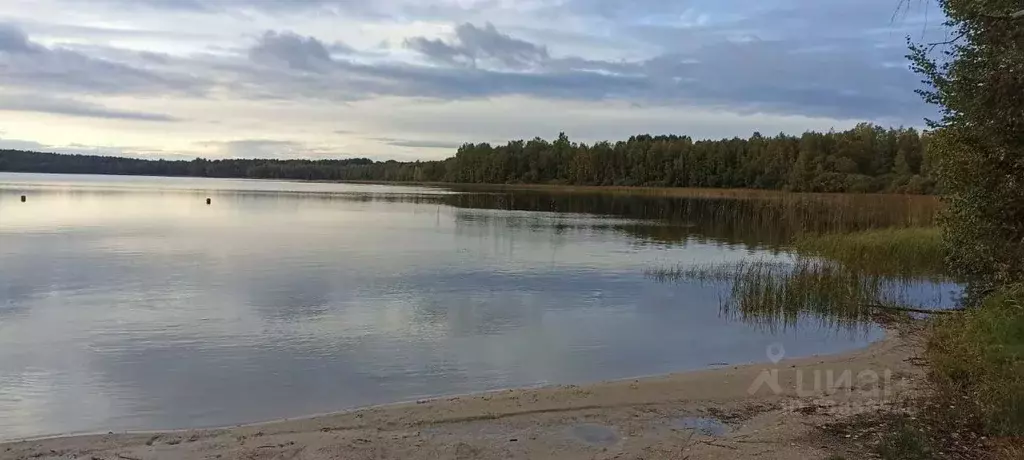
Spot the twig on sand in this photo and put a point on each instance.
(709, 443)
(125, 457)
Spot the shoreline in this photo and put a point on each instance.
(628, 416)
(697, 192)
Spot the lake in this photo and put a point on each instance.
(128, 303)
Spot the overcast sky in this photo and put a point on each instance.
(412, 79)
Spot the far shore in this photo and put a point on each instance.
(761, 410)
(697, 192)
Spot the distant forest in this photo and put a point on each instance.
(867, 158)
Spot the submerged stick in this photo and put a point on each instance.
(915, 310)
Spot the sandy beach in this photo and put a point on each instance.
(752, 411)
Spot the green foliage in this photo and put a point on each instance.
(915, 252)
(858, 160)
(979, 141)
(866, 158)
(977, 357)
(354, 168)
(977, 361)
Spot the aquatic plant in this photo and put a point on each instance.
(774, 292)
(915, 252)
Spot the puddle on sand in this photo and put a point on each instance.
(707, 426)
(598, 435)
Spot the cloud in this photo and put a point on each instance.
(46, 104)
(347, 79)
(294, 51)
(362, 9)
(420, 143)
(29, 65)
(269, 148)
(724, 68)
(14, 40)
(82, 149)
(784, 76)
(475, 44)
(17, 144)
(243, 64)
(834, 77)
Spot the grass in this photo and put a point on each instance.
(915, 252)
(904, 439)
(977, 363)
(773, 293)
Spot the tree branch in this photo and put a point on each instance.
(1001, 17)
(951, 41)
(1009, 17)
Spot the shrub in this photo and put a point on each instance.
(977, 359)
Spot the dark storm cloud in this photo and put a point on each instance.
(29, 65)
(46, 104)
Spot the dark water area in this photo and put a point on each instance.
(129, 303)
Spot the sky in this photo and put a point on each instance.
(414, 79)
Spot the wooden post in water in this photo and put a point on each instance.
(207, 201)
(23, 198)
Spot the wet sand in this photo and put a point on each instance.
(752, 411)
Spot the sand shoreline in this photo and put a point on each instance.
(764, 410)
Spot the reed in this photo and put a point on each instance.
(914, 252)
(773, 293)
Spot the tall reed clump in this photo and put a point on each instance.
(772, 293)
(914, 252)
(977, 363)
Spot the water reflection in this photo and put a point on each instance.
(128, 303)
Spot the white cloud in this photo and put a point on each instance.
(409, 79)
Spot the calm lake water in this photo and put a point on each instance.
(128, 303)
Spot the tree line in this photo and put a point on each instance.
(867, 158)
